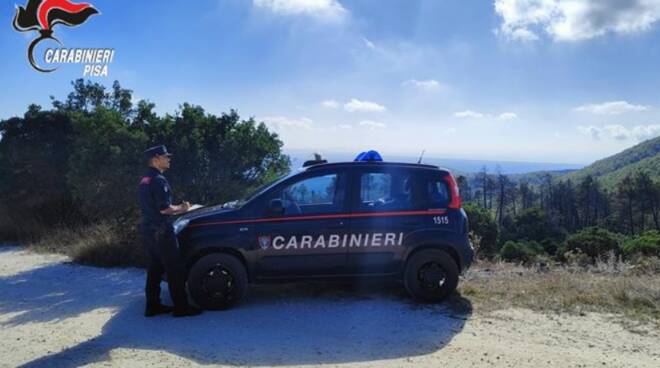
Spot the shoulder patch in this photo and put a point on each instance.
(145, 180)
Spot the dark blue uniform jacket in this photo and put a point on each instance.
(155, 196)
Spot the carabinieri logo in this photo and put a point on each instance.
(42, 16)
(264, 241)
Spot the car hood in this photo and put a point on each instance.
(211, 212)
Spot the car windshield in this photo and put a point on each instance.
(240, 202)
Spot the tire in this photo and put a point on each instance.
(430, 275)
(217, 281)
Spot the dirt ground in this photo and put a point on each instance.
(57, 314)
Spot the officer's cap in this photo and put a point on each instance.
(156, 151)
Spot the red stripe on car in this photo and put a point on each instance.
(322, 217)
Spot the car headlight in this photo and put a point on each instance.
(179, 225)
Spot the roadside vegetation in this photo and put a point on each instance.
(69, 175)
(610, 285)
(101, 245)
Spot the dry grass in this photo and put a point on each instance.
(609, 286)
(97, 245)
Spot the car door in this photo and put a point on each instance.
(305, 240)
(384, 217)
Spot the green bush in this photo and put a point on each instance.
(646, 244)
(532, 224)
(78, 165)
(34, 160)
(522, 251)
(593, 242)
(105, 164)
(483, 225)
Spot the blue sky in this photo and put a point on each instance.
(527, 80)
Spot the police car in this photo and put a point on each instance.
(331, 220)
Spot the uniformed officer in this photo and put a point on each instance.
(159, 239)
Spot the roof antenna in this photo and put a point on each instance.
(420, 157)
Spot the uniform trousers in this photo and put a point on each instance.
(162, 250)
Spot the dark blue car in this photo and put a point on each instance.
(332, 220)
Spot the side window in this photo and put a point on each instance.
(315, 195)
(437, 192)
(385, 191)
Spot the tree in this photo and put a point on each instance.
(483, 225)
(545, 191)
(646, 244)
(625, 202)
(483, 180)
(592, 202)
(105, 166)
(504, 191)
(209, 150)
(35, 151)
(533, 224)
(565, 205)
(81, 161)
(648, 195)
(526, 195)
(464, 188)
(592, 241)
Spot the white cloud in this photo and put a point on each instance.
(611, 108)
(428, 85)
(590, 131)
(324, 9)
(372, 124)
(355, 105)
(370, 45)
(283, 122)
(574, 20)
(644, 132)
(521, 34)
(507, 116)
(331, 104)
(344, 126)
(468, 114)
(619, 132)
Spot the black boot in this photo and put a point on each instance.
(156, 309)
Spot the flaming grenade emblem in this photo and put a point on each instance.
(43, 15)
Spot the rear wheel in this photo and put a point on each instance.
(430, 275)
(217, 281)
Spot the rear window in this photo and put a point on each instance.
(385, 191)
(403, 190)
(437, 192)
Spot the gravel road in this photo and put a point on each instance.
(57, 314)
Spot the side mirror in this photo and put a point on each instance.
(276, 207)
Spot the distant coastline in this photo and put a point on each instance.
(298, 156)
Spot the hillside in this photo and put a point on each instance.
(644, 156)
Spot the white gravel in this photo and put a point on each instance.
(57, 314)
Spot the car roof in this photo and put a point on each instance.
(351, 164)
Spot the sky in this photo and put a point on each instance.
(565, 81)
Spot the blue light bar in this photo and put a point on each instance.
(369, 156)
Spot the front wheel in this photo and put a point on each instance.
(217, 281)
(430, 275)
